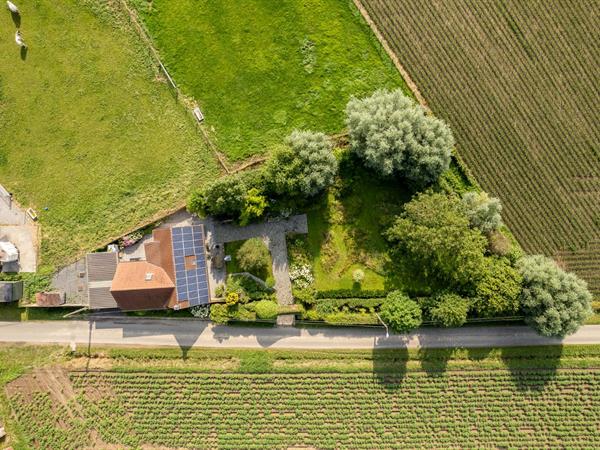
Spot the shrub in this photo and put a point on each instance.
(395, 136)
(232, 298)
(255, 204)
(400, 313)
(450, 310)
(200, 311)
(219, 313)
(483, 211)
(305, 167)
(351, 293)
(223, 198)
(301, 276)
(499, 244)
(434, 232)
(350, 318)
(358, 276)
(555, 303)
(498, 291)
(306, 296)
(266, 309)
(254, 257)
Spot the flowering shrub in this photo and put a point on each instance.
(232, 298)
(301, 276)
(358, 276)
(130, 239)
(200, 311)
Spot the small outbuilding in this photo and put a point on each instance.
(11, 291)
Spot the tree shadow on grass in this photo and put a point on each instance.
(532, 372)
(16, 18)
(389, 365)
(434, 361)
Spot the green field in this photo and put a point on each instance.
(262, 68)
(542, 397)
(88, 136)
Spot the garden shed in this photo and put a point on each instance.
(11, 291)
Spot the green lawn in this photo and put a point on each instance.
(261, 68)
(86, 130)
(345, 232)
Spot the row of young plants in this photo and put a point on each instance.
(474, 409)
(454, 243)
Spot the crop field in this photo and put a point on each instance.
(88, 136)
(519, 84)
(262, 68)
(507, 398)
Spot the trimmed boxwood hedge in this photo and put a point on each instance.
(351, 293)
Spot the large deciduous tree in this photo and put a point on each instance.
(555, 303)
(304, 167)
(434, 232)
(395, 136)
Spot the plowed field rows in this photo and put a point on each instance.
(519, 84)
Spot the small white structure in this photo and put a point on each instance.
(12, 7)
(8, 252)
(198, 114)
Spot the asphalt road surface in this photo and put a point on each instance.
(194, 333)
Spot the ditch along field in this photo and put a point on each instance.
(260, 68)
(519, 84)
(543, 397)
(89, 137)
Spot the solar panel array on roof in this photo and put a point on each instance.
(190, 265)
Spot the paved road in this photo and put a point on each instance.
(187, 333)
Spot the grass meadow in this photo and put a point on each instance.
(261, 68)
(88, 137)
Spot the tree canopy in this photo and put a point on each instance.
(304, 167)
(483, 211)
(555, 303)
(497, 293)
(254, 257)
(434, 232)
(395, 136)
(449, 310)
(400, 313)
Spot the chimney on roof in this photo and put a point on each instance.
(149, 276)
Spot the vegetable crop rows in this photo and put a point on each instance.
(519, 83)
(453, 410)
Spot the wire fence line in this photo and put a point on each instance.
(186, 102)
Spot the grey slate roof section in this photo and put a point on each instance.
(11, 291)
(101, 268)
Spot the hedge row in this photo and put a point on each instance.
(351, 293)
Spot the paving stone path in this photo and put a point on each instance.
(273, 234)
